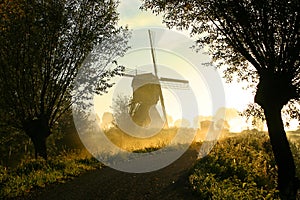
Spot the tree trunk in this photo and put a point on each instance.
(38, 130)
(273, 92)
(40, 148)
(287, 182)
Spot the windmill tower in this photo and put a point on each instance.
(147, 92)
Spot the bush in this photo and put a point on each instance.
(240, 167)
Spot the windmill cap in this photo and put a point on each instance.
(143, 79)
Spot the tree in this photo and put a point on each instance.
(120, 109)
(259, 42)
(43, 45)
(107, 120)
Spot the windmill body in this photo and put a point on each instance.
(146, 91)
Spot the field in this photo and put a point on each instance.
(240, 166)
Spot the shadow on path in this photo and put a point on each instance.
(170, 182)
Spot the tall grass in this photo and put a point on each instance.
(241, 167)
(38, 173)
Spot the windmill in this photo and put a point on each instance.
(147, 91)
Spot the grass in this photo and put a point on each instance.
(27, 174)
(241, 167)
(31, 174)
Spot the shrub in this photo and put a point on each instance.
(240, 167)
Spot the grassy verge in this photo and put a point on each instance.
(240, 167)
(32, 174)
(27, 174)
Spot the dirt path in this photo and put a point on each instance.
(108, 184)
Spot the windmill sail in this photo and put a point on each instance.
(155, 72)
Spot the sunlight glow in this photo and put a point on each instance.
(236, 97)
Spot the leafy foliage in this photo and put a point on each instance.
(241, 167)
(43, 46)
(43, 49)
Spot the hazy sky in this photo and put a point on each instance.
(171, 63)
(133, 17)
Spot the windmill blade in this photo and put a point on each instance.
(129, 75)
(153, 54)
(133, 72)
(155, 72)
(163, 106)
(171, 83)
(174, 80)
(176, 86)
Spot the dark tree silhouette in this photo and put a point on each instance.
(42, 46)
(259, 40)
